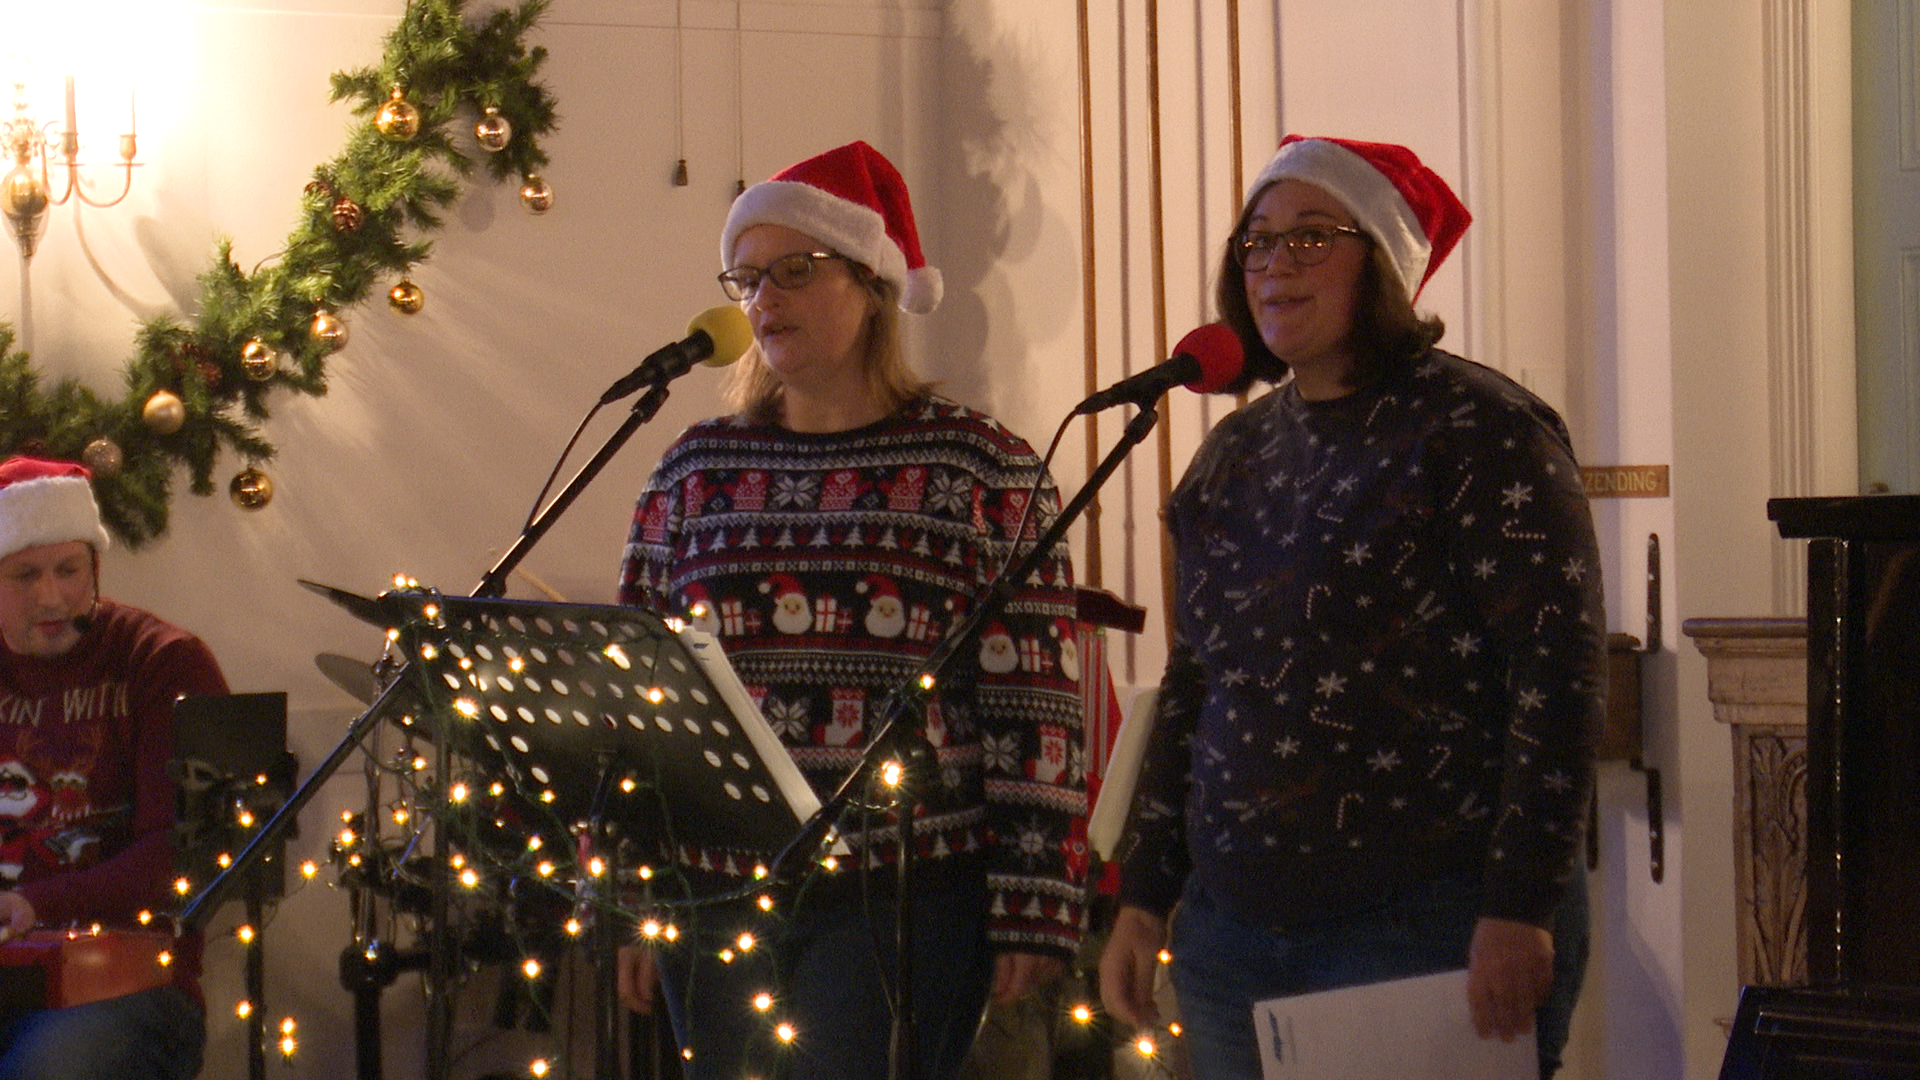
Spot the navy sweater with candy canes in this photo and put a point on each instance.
(830, 566)
(1388, 665)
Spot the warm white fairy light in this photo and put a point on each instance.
(245, 933)
(165, 959)
(627, 785)
(223, 860)
(470, 878)
(517, 665)
(726, 956)
(145, 917)
(891, 773)
(182, 886)
(531, 967)
(746, 942)
(428, 652)
(765, 902)
(671, 933)
(596, 866)
(1144, 1046)
(785, 1032)
(760, 872)
(466, 707)
(1082, 1013)
(545, 868)
(656, 695)
(573, 927)
(644, 873)
(243, 1008)
(245, 817)
(309, 869)
(1164, 956)
(763, 1001)
(650, 929)
(539, 1067)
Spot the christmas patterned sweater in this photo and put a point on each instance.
(830, 566)
(86, 805)
(1389, 658)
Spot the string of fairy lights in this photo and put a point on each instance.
(518, 857)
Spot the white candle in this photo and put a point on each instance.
(71, 126)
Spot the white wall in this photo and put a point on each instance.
(1608, 150)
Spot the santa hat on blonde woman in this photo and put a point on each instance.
(852, 200)
(1405, 206)
(47, 502)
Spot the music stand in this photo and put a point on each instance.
(231, 768)
(601, 718)
(563, 698)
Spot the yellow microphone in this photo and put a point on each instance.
(716, 337)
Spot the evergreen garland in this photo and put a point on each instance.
(362, 217)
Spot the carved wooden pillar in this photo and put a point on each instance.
(1757, 681)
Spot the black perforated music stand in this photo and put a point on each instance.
(600, 712)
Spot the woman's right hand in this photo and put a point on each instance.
(637, 976)
(1128, 965)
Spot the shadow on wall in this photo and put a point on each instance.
(998, 133)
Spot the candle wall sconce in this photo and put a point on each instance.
(27, 189)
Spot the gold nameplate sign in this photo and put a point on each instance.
(1624, 481)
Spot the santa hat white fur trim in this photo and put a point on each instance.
(850, 229)
(1377, 206)
(49, 510)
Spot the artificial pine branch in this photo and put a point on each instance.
(450, 71)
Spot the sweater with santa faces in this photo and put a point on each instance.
(1389, 658)
(830, 566)
(86, 804)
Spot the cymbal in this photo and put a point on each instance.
(354, 676)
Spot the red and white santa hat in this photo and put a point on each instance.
(1402, 204)
(47, 502)
(779, 585)
(879, 587)
(852, 200)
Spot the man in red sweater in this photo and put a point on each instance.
(87, 687)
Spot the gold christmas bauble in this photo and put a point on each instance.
(328, 329)
(406, 298)
(397, 119)
(347, 215)
(257, 360)
(103, 456)
(536, 194)
(493, 132)
(251, 489)
(164, 413)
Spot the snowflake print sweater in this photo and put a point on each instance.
(1389, 659)
(830, 566)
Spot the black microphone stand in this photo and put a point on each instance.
(902, 736)
(441, 960)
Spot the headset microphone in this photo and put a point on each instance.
(83, 622)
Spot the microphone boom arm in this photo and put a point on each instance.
(494, 583)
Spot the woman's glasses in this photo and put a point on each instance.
(1308, 245)
(787, 272)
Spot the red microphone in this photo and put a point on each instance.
(1205, 362)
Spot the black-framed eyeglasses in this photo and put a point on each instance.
(788, 272)
(1308, 245)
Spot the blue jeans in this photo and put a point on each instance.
(1221, 966)
(829, 967)
(153, 1035)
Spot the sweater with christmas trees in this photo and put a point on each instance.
(830, 566)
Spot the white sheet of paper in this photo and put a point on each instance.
(1406, 1029)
